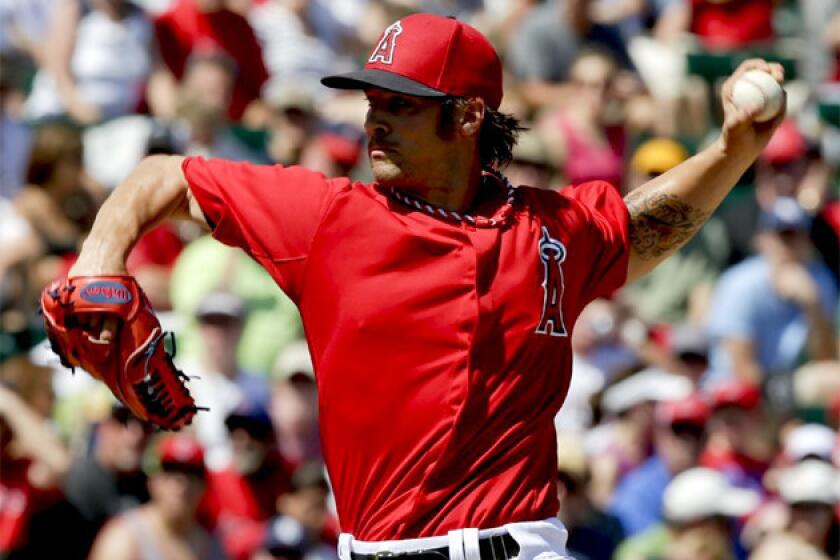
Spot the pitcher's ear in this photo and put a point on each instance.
(471, 116)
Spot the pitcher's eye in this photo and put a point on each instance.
(398, 104)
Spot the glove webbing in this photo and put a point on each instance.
(153, 392)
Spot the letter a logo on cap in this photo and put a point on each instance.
(384, 51)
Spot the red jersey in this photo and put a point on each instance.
(441, 350)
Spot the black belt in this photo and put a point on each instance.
(496, 547)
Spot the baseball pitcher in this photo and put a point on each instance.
(438, 301)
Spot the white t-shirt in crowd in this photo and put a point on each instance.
(110, 64)
(294, 57)
(28, 18)
(13, 227)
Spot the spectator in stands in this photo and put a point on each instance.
(679, 440)
(15, 135)
(96, 63)
(303, 526)
(532, 164)
(593, 534)
(831, 40)
(699, 544)
(689, 345)
(23, 26)
(193, 27)
(738, 445)
(812, 531)
(33, 462)
(547, 42)
(782, 165)
(697, 500)
(205, 265)
(633, 17)
(607, 339)
(284, 538)
(302, 41)
(792, 166)
(58, 202)
(292, 123)
(335, 150)
(220, 384)
(20, 244)
(769, 309)
(808, 442)
(586, 140)
(108, 480)
(204, 95)
(294, 405)
(624, 438)
(243, 496)
(167, 526)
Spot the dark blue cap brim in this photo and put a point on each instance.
(367, 78)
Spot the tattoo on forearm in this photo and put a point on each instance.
(660, 222)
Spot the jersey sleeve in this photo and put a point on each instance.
(270, 211)
(606, 236)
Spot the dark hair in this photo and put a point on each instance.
(213, 57)
(52, 143)
(498, 135)
(309, 475)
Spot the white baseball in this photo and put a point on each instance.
(756, 90)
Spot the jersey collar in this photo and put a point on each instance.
(499, 219)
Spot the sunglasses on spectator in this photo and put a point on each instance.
(687, 430)
(181, 468)
(220, 320)
(790, 235)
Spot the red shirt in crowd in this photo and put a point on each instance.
(19, 499)
(159, 247)
(732, 24)
(441, 350)
(184, 29)
(237, 507)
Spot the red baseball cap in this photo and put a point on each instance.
(430, 56)
(692, 409)
(786, 145)
(735, 392)
(181, 450)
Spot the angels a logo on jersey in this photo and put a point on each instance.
(384, 51)
(552, 254)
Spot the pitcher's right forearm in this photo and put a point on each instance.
(155, 190)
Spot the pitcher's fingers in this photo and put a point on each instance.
(92, 323)
(754, 64)
(777, 71)
(109, 329)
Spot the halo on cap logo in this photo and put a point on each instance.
(384, 51)
(105, 292)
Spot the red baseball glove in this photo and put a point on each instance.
(134, 363)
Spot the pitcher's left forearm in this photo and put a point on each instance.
(668, 210)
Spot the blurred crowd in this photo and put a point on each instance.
(702, 418)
